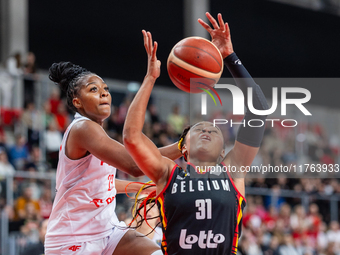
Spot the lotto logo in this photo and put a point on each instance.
(204, 240)
(74, 247)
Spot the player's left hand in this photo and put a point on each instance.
(154, 64)
(220, 35)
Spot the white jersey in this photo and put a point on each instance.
(84, 206)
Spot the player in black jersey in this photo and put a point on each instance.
(200, 213)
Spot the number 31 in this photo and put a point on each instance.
(204, 209)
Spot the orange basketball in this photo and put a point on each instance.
(195, 57)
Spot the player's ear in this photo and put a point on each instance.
(184, 149)
(222, 155)
(77, 102)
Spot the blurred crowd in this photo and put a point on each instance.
(272, 224)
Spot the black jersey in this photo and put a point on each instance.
(200, 214)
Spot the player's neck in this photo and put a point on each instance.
(201, 164)
(94, 119)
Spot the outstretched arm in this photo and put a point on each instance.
(248, 138)
(123, 186)
(143, 150)
(89, 137)
(171, 151)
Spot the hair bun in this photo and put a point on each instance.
(63, 73)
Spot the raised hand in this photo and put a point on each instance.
(220, 35)
(154, 64)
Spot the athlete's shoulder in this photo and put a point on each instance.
(84, 134)
(85, 126)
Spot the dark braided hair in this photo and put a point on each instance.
(183, 135)
(67, 76)
(140, 211)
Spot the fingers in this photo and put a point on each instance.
(150, 49)
(154, 49)
(227, 28)
(217, 26)
(205, 25)
(150, 42)
(146, 41)
(212, 20)
(220, 21)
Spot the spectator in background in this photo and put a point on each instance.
(314, 221)
(54, 100)
(271, 218)
(123, 108)
(298, 218)
(30, 76)
(284, 215)
(62, 117)
(35, 160)
(287, 247)
(30, 67)
(14, 223)
(114, 129)
(2, 136)
(22, 201)
(333, 234)
(176, 120)
(331, 249)
(31, 119)
(32, 182)
(18, 154)
(30, 228)
(5, 167)
(14, 65)
(37, 248)
(273, 248)
(53, 138)
(6, 84)
(251, 220)
(322, 240)
(48, 116)
(154, 117)
(274, 199)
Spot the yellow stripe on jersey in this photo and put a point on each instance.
(239, 217)
(160, 200)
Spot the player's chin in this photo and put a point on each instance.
(105, 113)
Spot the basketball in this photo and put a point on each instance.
(195, 57)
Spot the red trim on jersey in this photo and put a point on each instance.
(191, 164)
(164, 245)
(164, 221)
(168, 182)
(238, 220)
(232, 182)
(162, 211)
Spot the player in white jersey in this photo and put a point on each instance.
(83, 220)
